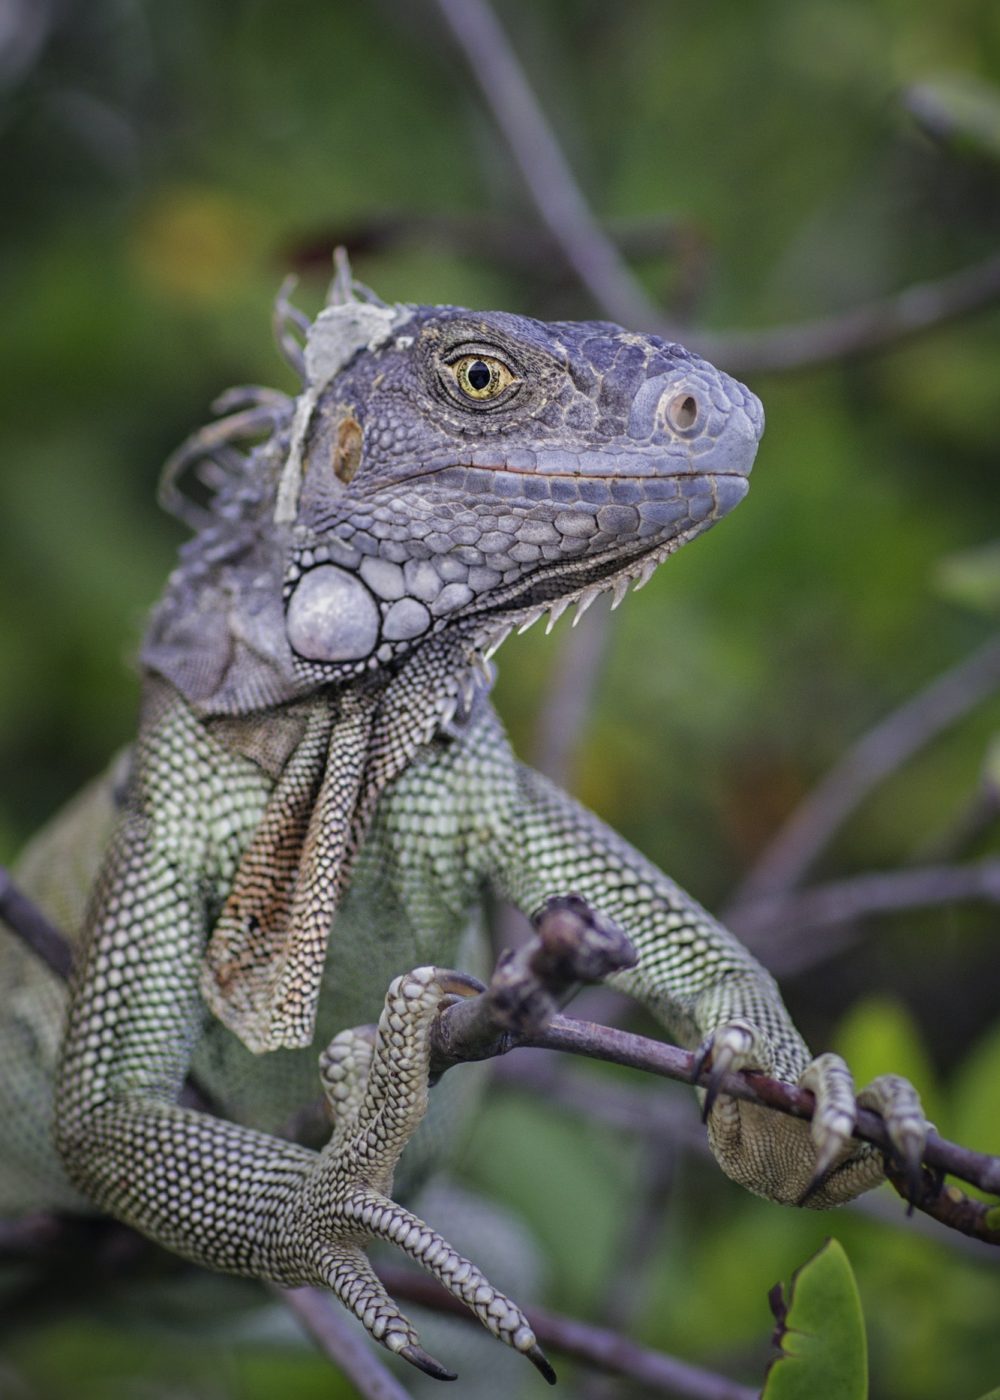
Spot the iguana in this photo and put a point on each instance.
(320, 794)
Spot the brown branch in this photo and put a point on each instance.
(815, 822)
(546, 172)
(341, 1341)
(878, 325)
(34, 928)
(623, 1048)
(667, 1122)
(865, 329)
(597, 1346)
(572, 947)
(774, 925)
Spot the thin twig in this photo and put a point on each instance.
(814, 823)
(624, 1048)
(547, 173)
(341, 1342)
(35, 928)
(668, 1122)
(873, 326)
(775, 925)
(597, 1346)
(877, 325)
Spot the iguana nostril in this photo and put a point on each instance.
(682, 412)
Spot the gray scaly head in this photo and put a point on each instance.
(477, 469)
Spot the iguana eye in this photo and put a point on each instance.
(481, 376)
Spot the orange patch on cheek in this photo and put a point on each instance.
(347, 451)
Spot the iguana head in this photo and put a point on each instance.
(444, 476)
(471, 470)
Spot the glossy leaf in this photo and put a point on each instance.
(821, 1333)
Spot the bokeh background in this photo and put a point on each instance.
(164, 166)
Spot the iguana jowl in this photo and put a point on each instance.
(320, 793)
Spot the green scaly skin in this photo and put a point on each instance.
(320, 793)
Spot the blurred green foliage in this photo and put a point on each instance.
(164, 166)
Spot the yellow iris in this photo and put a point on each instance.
(481, 376)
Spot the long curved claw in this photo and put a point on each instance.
(383, 1219)
(540, 1362)
(416, 1356)
(351, 1276)
(733, 1046)
(459, 984)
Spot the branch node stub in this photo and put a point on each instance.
(578, 944)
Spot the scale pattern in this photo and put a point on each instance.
(320, 794)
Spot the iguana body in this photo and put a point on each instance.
(320, 793)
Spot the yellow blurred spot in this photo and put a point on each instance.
(194, 244)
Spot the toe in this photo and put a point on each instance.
(383, 1219)
(835, 1115)
(902, 1112)
(733, 1046)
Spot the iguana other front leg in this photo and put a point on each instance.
(217, 1192)
(711, 993)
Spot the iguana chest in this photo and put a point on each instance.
(413, 898)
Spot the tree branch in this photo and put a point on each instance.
(546, 172)
(667, 1122)
(876, 325)
(341, 1341)
(669, 1061)
(773, 925)
(597, 1346)
(812, 826)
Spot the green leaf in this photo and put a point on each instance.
(821, 1333)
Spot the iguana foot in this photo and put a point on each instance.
(376, 1081)
(816, 1164)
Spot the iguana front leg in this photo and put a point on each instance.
(219, 1193)
(710, 993)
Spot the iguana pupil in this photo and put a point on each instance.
(478, 374)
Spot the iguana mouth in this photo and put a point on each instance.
(690, 468)
(611, 572)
